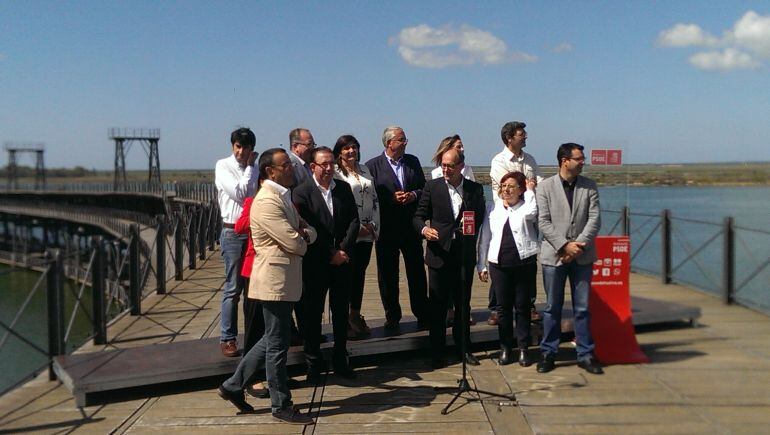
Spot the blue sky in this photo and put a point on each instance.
(667, 81)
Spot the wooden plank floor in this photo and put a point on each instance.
(714, 378)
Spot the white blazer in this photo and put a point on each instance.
(521, 218)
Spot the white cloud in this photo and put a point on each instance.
(726, 60)
(753, 32)
(564, 47)
(428, 47)
(742, 47)
(685, 35)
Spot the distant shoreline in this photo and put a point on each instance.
(670, 174)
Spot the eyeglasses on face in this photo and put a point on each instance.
(509, 186)
(308, 144)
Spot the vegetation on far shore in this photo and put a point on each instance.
(697, 174)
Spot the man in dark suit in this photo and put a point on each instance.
(329, 206)
(449, 254)
(398, 180)
(569, 219)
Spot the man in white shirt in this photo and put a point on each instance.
(511, 158)
(301, 144)
(236, 180)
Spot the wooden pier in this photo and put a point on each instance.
(713, 377)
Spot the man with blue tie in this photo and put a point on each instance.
(399, 180)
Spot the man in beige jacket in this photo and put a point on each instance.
(280, 238)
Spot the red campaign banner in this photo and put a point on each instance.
(615, 157)
(469, 223)
(606, 157)
(598, 157)
(610, 303)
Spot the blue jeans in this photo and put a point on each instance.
(554, 279)
(269, 354)
(232, 246)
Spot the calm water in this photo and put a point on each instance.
(693, 263)
(750, 206)
(17, 358)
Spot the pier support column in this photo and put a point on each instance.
(665, 232)
(728, 262)
(134, 292)
(626, 220)
(200, 234)
(179, 247)
(192, 238)
(160, 256)
(99, 273)
(55, 308)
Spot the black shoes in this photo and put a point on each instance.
(258, 393)
(546, 364)
(591, 366)
(423, 325)
(471, 360)
(313, 377)
(437, 363)
(292, 416)
(524, 359)
(238, 399)
(506, 356)
(344, 371)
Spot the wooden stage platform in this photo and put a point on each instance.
(86, 374)
(712, 378)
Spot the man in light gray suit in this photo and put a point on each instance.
(569, 219)
(301, 144)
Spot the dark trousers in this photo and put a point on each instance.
(496, 306)
(445, 285)
(334, 280)
(410, 246)
(362, 254)
(513, 287)
(254, 322)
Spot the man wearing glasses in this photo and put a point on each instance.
(398, 179)
(569, 219)
(328, 206)
(281, 237)
(301, 144)
(449, 253)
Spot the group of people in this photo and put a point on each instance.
(300, 224)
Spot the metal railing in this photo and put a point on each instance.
(109, 278)
(724, 259)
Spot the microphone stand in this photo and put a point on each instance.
(463, 385)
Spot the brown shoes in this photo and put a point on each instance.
(357, 327)
(535, 315)
(492, 321)
(229, 348)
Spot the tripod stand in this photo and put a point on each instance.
(463, 385)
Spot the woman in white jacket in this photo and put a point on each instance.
(508, 249)
(347, 153)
